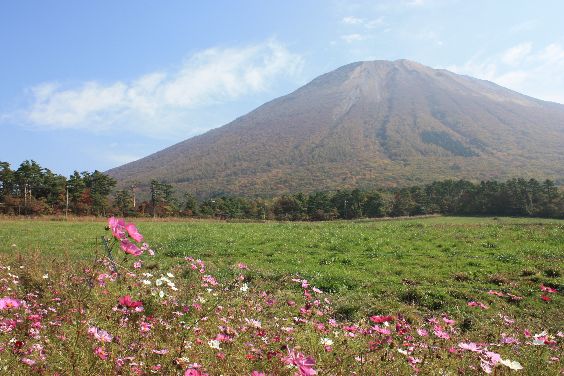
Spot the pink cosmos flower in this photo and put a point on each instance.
(9, 303)
(145, 327)
(127, 302)
(257, 373)
(99, 334)
(486, 367)
(117, 226)
(439, 332)
(477, 304)
(496, 293)
(422, 332)
(494, 358)
(304, 364)
(133, 232)
(381, 319)
(381, 330)
(160, 352)
(242, 266)
(304, 282)
(514, 298)
(130, 248)
(508, 340)
(28, 361)
(209, 279)
(547, 289)
(449, 321)
(194, 372)
(471, 346)
(508, 321)
(101, 353)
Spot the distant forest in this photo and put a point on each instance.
(35, 190)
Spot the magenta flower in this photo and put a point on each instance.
(496, 293)
(508, 340)
(99, 334)
(304, 364)
(471, 346)
(547, 289)
(422, 332)
(127, 302)
(208, 279)
(9, 303)
(449, 321)
(477, 304)
(133, 232)
(381, 330)
(439, 332)
(117, 226)
(130, 248)
(381, 319)
(194, 372)
(27, 361)
(101, 353)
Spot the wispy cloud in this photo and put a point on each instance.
(416, 3)
(161, 102)
(363, 22)
(536, 72)
(359, 29)
(514, 55)
(350, 38)
(352, 20)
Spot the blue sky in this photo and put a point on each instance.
(93, 85)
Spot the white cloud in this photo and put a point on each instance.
(366, 23)
(161, 102)
(416, 3)
(535, 72)
(515, 54)
(351, 20)
(350, 38)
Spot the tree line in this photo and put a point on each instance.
(34, 190)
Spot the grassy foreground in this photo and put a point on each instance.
(483, 273)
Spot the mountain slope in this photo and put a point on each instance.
(368, 123)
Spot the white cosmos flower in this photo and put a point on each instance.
(214, 344)
(512, 364)
(326, 341)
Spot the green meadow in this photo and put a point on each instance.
(367, 267)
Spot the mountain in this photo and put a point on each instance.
(372, 123)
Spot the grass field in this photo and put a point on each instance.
(419, 267)
(429, 264)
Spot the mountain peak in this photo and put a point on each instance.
(369, 123)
